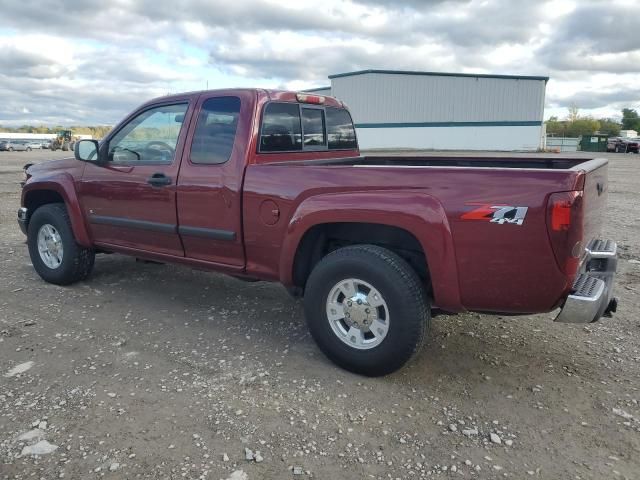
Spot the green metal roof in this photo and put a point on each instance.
(439, 74)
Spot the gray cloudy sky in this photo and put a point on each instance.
(91, 61)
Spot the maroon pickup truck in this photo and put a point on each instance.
(270, 185)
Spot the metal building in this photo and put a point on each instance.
(320, 90)
(451, 111)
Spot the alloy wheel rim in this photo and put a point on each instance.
(50, 246)
(357, 313)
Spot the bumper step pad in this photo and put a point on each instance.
(586, 286)
(602, 248)
(591, 296)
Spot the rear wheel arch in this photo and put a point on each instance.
(320, 240)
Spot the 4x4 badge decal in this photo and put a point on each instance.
(500, 214)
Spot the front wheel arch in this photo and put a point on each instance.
(37, 194)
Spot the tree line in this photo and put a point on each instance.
(575, 125)
(96, 132)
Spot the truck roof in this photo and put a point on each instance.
(271, 94)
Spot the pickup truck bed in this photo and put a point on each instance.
(473, 256)
(270, 185)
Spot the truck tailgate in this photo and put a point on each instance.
(594, 197)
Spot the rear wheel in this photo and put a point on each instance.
(367, 309)
(54, 253)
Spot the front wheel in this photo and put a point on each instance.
(367, 309)
(54, 253)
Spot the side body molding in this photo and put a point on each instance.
(388, 207)
(63, 185)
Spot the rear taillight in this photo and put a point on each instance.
(566, 230)
(561, 215)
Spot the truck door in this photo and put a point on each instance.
(210, 181)
(130, 201)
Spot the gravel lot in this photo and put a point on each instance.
(156, 371)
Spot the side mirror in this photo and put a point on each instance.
(86, 150)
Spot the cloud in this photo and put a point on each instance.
(90, 61)
(600, 28)
(617, 95)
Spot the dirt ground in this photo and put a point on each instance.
(156, 371)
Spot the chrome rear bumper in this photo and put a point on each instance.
(23, 219)
(592, 294)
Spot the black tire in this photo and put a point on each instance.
(401, 288)
(77, 261)
(28, 149)
(11, 149)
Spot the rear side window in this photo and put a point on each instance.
(281, 130)
(340, 131)
(216, 130)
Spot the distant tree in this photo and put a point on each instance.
(609, 127)
(574, 113)
(630, 119)
(576, 125)
(582, 126)
(97, 132)
(556, 128)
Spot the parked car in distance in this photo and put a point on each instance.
(47, 144)
(34, 144)
(15, 145)
(623, 145)
(270, 185)
(612, 142)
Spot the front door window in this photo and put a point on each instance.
(150, 138)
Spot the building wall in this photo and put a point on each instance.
(444, 111)
(525, 138)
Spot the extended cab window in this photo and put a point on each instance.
(216, 130)
(340, 131)
(281, 130)
(151, 136)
